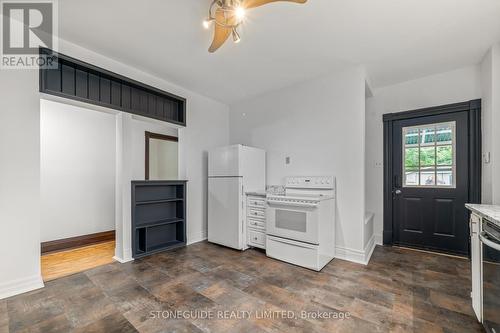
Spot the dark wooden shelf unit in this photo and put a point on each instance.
(158, 216)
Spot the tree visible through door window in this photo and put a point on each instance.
(429, 155)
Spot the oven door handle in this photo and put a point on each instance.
(488, 242)
(291, 204)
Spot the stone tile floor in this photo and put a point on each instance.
(399, 291)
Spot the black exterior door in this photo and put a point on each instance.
(430, 170)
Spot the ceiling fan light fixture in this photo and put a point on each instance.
(228, 15)
(240, 13)
(236, 36)
(207, 22)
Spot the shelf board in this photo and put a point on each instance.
(147, 202)
(166, 245)
(158, 223)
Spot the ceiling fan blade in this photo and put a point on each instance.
(221, 34)
(256, 3)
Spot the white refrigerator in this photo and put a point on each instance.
(232, 171)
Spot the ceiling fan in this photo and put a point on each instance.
(227, 16)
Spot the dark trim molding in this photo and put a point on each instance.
(475, 153)
(150, 135)
(79, 241)
(432, 111)
(387, 230)
(80, 81)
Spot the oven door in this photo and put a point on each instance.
(297, 221)
(491, 281)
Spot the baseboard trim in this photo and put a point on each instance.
(370, 247)
(193, 241)
(351, 255)
(122, 260)
(378, 239)
(127, 256)
(196, 238)
(73, 242)
(356, 256)
(20, 286)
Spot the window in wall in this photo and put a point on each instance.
(429, 155)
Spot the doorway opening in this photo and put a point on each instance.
(77, 172)
(432, 168)
(89, 157)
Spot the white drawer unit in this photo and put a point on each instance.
(256, 213)
(256, 238)
(255, 202)
(256, 221)
(256, 224)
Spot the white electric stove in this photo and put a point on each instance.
(301, 223)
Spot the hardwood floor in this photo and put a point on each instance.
(399, 291)
(59, 264)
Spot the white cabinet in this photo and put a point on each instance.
(256, 221)
(476, 265)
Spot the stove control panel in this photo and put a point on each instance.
(326, 182)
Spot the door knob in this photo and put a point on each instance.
(398, 192)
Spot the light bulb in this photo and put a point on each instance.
(206, 23)
(240, 13)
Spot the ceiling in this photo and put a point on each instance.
(284, 43)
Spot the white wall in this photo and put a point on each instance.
(208, 127)
(487, 125)
(320, 125)
(496, 121)
(19, 182)
(490, 80)
(456, 86)
(77, 171)
(130, 165)
(20, 163)
(139, 127)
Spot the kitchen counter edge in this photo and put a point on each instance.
(489, 212)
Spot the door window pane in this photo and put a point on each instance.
(429, 155)
(444, 134)
(427, 177)
(411, 137)
(411, 158)
(444, 176)
(427, 136)
(444, 155)
(411, 177)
